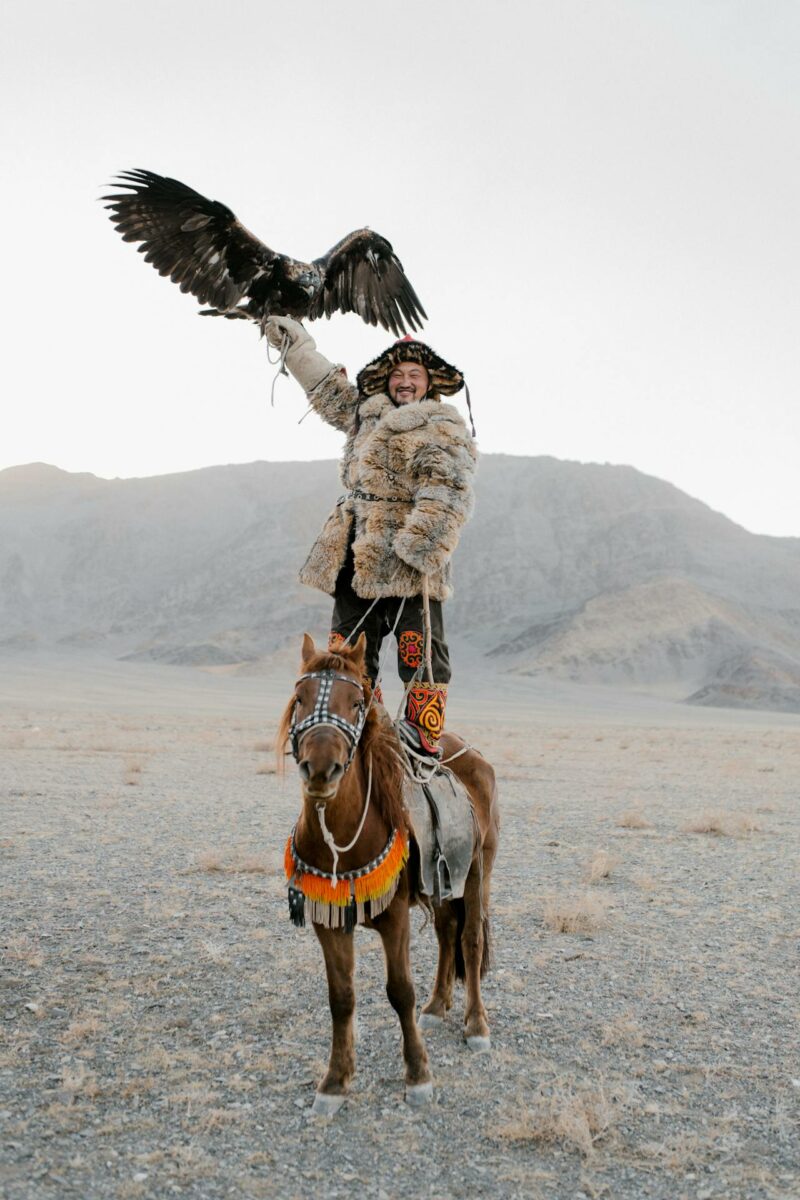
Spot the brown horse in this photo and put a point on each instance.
(352, 778)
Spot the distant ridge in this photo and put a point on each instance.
(582, 571)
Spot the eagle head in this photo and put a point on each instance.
(307, 278)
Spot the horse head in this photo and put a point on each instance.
(328, 715)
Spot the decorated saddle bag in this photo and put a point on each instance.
(443, 822)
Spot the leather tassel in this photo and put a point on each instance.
(297, 907)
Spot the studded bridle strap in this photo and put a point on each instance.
(322, 715)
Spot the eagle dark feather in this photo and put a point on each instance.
(201, 246)
(362, 274)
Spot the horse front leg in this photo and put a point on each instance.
(339, 952)
(394, 929)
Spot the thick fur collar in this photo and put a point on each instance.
(400, 418)
(375, 406)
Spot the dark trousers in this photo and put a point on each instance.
(348, 609)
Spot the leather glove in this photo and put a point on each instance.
(279, 327)
(308, 366)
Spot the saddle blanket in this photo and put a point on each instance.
(444, 829)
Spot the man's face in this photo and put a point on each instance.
(408, 382)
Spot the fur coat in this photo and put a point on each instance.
(418, 459)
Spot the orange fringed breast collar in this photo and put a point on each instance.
(355, 896)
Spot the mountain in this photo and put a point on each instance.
(583, 571)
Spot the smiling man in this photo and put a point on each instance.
(407, 466)
(408, 382)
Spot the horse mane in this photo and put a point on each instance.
(378, 742)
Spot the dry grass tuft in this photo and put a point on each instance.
(130, 1189)
(140, 1085)
(214, 951)
(624, 1030)
(133, 770)
(600, 866)
(722, 824)
(77, 1081)
(22, 949)
(156, 1058)
(584, 913)
(209, 860)
(267, 768)
(684, 1151)
(217, 1118)
(253, 864)
(79, 1031)
(633, 818)
(242, 864)
(578, 1115)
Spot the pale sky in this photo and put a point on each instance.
(596, 201)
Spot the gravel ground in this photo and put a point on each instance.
(163, 1026)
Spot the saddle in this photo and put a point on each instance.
(443, 823)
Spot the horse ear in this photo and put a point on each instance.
(359, 651)
(309, 649)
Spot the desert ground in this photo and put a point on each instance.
(163, 1026)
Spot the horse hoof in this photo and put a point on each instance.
(479, 1045)
(429, 1021)
(419, 1094)
(326, 1105)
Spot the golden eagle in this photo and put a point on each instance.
(201, 246)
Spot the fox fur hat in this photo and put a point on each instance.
(445, 380)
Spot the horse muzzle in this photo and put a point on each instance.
(320, 780)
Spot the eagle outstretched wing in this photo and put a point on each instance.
(198, 243)
(201, 246)
(362, 274)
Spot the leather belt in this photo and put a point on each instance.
(357, 494)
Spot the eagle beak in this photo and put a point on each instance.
(308, 283)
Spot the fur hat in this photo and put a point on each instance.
(445, 380)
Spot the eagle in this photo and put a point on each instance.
(205, 249)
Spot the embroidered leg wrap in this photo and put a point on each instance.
(411, 648)
(425, 707)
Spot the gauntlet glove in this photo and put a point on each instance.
(308, 366)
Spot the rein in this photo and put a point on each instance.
(328, 836)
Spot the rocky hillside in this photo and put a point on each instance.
(585, 572)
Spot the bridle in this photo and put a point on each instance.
(321, 714)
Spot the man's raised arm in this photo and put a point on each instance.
(328, 389)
